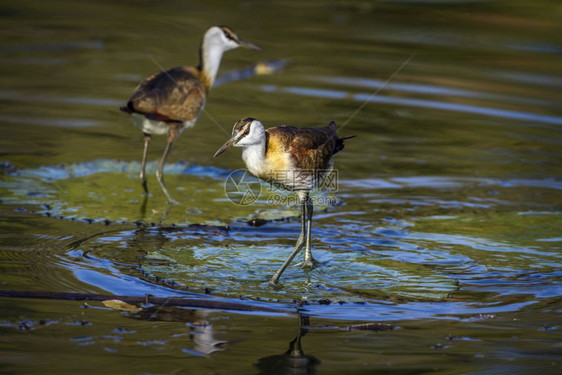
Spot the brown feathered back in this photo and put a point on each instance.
(176, 95)
(310, 148)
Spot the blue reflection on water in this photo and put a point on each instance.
(422, 103)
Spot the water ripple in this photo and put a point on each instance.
(422, 103)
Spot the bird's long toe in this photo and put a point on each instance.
(308, 264)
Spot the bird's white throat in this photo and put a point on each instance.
(212, 56)
(254, 158)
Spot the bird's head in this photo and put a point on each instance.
(226, 39)
(246, 132)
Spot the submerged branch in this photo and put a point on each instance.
(195, 303)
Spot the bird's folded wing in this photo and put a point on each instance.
(311, 148)
(173, 95)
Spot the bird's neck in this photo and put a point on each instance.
(254, 158)
(210, 56)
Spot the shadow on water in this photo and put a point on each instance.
(294, 360)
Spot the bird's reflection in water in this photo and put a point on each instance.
(293, 361)
(201, 334)
(153, 241)
(162, 213)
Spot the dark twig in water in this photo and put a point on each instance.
(196, 303)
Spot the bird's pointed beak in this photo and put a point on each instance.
(243, 43)
(224, 147)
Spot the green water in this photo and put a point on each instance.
(448, 214)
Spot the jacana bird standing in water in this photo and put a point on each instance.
(296, 159)
(170, 101)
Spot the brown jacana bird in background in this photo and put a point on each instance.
(168, 102)
(296, 159)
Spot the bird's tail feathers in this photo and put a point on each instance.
(340, 144)
(127, 108)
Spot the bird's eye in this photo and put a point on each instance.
(229, 35)
(242, 132)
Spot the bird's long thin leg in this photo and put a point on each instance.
(300, 241)
(143, 206)
(296, 346)
(142, 174)
(308, 262)
(298, 247)
(160, 170)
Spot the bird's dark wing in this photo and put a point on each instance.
(311, 148)
(173, 95)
